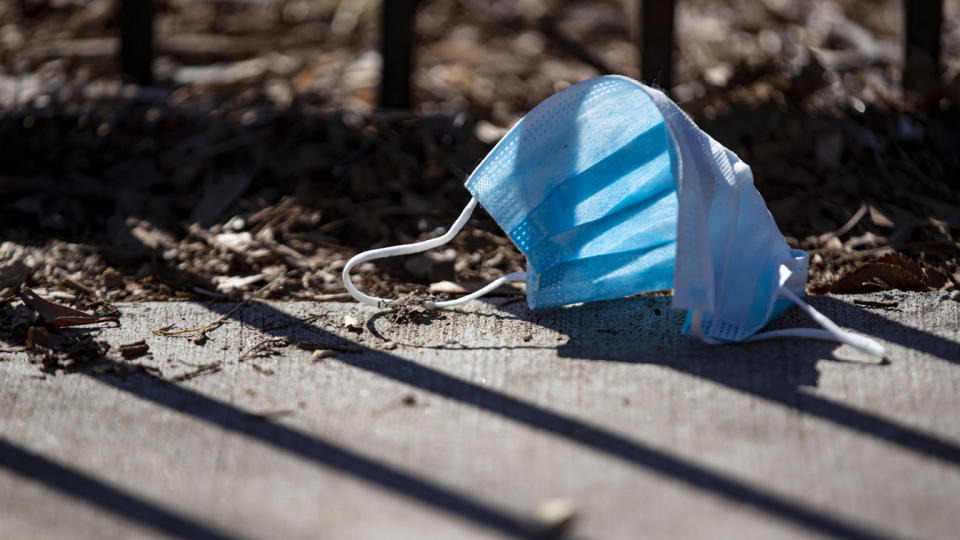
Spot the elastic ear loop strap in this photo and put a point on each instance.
(829, 332)
(407, 249)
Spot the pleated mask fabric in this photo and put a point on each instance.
(583, 185)
(610, 190)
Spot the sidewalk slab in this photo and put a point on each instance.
(489, 421)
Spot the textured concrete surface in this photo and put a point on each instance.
(473, 423)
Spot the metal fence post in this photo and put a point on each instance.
(656, 42)
(136, 40)
(396, 49)
(923, 20)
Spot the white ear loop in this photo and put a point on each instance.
(829, 332)
(407, 249)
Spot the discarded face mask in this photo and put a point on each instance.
(610, 190)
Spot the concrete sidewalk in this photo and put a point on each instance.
(489, 421)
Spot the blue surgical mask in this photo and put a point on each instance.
(610, 190)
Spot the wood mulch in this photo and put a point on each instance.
(260, 164)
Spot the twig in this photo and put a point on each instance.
(304, 320)
(872, 303)
(203, 370)
(850, 224)
(165, 331)
(205, 328)
(265, 371)
(191, 364)
(306, 346)
(864, 254)
(267, 415)
(264, 346)
(332, 297)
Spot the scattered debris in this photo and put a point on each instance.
(261, 369)
(447, 287)
(556, 515)
(320, 354)
(409, 400)
(200, 338)
(202, 370)
(893, 271)
(15, 265)
(881, 305)
(39, 337)
(134, 350)
(202, 330)
(305, 346)
(229, 285)
(166, 330)
(57, 316)
(351, 349)
(352, 324)
(409, 308)
(952, 295)
(266, 347)
(298, 322)
(269, 415)
(112, 279)
(106, 366)
(63, 351)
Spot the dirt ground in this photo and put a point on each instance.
(259, 163)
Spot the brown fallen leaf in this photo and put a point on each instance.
(892, 271)
(38, 336)
(57, 316)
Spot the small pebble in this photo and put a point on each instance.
(389, 346)
(834, 243)
(320, 354)
(557, 514)
(352, 324)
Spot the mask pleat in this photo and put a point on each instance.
(646, 223)
(637, 271)
(631, 176)
(566, 135)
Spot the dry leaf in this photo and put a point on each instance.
(892, 271)
(56, 315)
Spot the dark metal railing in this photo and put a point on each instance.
(922, 21)
(656, 42)
(922, 25)
(136, 40)
(396, 51)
